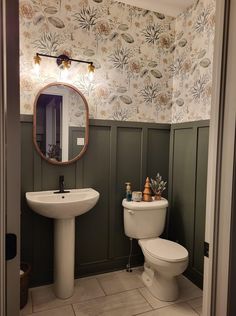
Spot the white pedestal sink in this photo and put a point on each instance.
(63, 207)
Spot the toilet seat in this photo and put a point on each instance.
(164, 249)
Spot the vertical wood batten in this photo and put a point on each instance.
(113, 176)
(144, 158)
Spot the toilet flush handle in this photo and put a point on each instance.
(131, 212)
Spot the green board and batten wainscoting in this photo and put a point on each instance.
(118, 152)
(187, 191)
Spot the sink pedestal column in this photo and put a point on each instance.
(64, 256)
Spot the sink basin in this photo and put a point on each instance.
(62, 205)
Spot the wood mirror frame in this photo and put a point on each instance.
(54, 162)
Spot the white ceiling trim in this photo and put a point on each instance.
(167, 7)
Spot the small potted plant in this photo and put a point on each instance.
(158, 186)
(54, 152)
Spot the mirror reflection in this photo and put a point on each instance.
(60, 123)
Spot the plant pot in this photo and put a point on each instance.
(157, 197)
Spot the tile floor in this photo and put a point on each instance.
(113, 294)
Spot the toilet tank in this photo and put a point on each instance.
(144, 219)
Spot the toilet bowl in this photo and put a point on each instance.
(164, 259)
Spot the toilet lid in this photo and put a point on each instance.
(166, 250)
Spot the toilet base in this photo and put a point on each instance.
(163, 287)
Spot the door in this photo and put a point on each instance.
(220, 164)
(9, 158)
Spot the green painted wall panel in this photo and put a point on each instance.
(129, 158)
(93, 227)
(36, 231)
(187, 191)
(117, 152)
(27, 179)
(182, 204)
(50, 176)
(158, 143)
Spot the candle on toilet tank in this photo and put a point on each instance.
(137, 196)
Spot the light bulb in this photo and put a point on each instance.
(91, 76)
(91, 69)
(64, 74)
(65, 69)
(36, 66)
(37, 69)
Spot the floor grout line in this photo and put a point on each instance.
(135, 288)
(55, 307)
(100, 284)
(83, 301)
(145, 297)
(67, 303)
(124, 291)
(73, 309)
(193, 307)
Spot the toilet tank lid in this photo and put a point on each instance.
(141, 206)
(165, 250)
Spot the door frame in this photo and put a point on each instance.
(220, 163)
(212, 170)
(223, 233)
(2, 174)
(9, 155)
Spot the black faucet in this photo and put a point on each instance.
(61, 186)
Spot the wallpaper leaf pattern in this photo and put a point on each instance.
(149, 67)
(86, 18)
(192, 66)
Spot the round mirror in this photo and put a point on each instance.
(60, 132)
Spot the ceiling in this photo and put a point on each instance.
(167, 7)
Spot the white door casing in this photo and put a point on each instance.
(220, 163)
(10, 154)
(212, 157)
(2, 175)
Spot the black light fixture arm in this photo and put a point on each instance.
(64, 57)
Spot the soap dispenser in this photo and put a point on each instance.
(128, 191)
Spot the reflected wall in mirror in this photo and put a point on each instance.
(60, 132)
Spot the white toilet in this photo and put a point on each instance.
(164, 259)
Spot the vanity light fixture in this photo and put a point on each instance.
(64, 63)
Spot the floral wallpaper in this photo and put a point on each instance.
(130, 48)
(149, 67)
(192, 67)
(76, 110)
